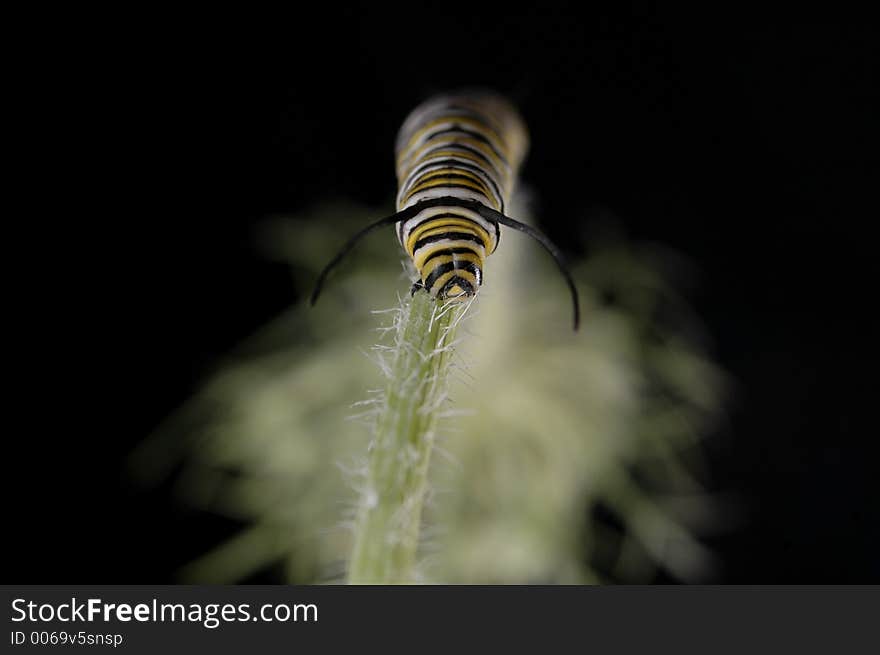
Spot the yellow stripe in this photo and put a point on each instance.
(447, 170)
(443, 279)
(426, 253)
(431, 249)
(440, 231)
(473, 143)
(441, 225)
(443, 154)
(444, 181)
(487, 132)
(447, 259)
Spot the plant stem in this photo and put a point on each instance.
(389, 515)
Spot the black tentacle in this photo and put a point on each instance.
(351, 243)
(549, 246)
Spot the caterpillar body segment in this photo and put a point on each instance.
(457, 158)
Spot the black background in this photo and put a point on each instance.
(747, 142)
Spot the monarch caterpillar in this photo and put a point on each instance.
(457, 158)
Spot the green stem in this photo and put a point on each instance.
(389, 515)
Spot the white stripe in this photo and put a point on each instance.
(447, 140)
(425, 214)
(451, 243)
(453, 123)
(487, 179)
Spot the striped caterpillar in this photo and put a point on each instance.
(457, 158)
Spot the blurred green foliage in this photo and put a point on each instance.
(566, 457)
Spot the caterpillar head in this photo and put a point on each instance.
(458, 288)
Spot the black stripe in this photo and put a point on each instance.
(445, 201)
(456, 236)
(464, 148)
(409, 194)
(470, 133)
(482, 119)
(450, 251)
(429, 219)
(436, 217)
(443, 215)
(454, 163)
(452, 176)
(460, 110)
(451, 266)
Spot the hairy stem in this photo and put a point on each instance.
(389, 515)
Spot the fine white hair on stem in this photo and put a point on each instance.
(417, 366)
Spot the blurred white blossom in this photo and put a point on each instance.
(566, 457)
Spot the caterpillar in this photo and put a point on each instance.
(457, 158)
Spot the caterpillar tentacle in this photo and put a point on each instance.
(457, 160)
